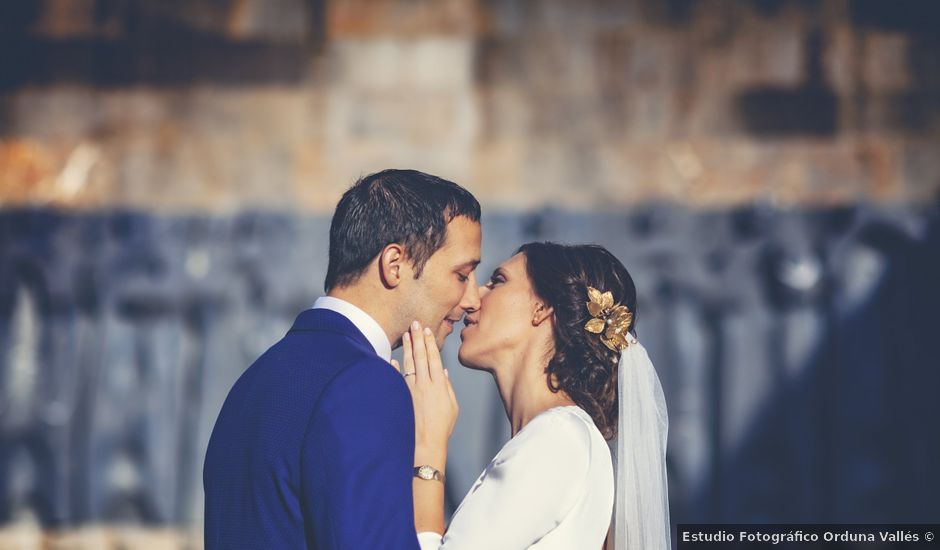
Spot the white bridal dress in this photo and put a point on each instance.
(550, 487)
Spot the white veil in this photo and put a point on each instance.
(641, 501)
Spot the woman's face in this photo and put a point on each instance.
(503, 324)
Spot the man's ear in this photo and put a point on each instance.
(392, 265)
(541, 313)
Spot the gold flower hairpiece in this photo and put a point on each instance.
(613, 320)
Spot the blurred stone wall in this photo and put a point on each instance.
(225, 104)
(764, 168)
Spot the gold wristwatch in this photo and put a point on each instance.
(429, 473)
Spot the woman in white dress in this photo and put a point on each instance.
(554, 328)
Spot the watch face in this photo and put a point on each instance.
(426, 472)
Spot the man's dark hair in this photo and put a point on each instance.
(393, 206)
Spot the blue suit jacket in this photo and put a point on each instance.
(314, 447)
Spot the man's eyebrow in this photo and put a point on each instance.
(472, 264)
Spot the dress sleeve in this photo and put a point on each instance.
(525, 491)
(358, 455)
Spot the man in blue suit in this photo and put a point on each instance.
(315, 445)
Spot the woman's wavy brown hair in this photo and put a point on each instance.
(582, 366)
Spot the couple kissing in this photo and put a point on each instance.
(326, 442)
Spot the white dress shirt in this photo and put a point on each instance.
(363, 321)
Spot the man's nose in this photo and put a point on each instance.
(471, 296)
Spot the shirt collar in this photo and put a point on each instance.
(369, 327)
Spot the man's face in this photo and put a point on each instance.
(447, 286)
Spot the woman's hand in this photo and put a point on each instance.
(435, 415)
(433, 396)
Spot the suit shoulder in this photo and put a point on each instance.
(369, 375)
(369, 398)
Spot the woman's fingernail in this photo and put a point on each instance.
(415, 325)
(427, 331)
(406, 336)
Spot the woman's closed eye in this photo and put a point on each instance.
(495, 279)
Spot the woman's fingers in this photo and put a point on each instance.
(434, 401)
(419, 349)
(410, 369)
(453, 398)
(435, 366)
(409, 379)
(422, 357)
(450, 390)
